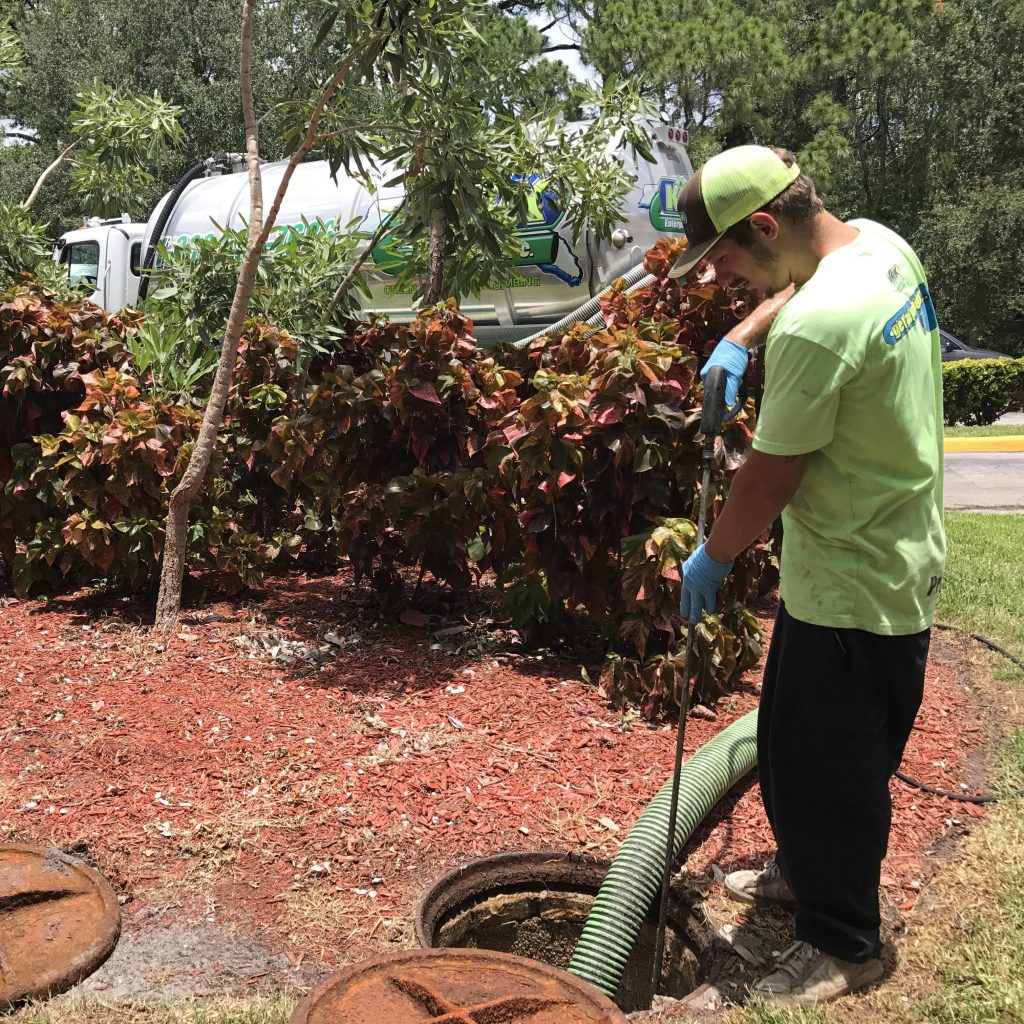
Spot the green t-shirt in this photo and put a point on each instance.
(853, 381)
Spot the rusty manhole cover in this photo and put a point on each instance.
(454, 986)
(59, 920)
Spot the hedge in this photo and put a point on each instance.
(571, 479)
(978, 391)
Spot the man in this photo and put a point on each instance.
(848, 448)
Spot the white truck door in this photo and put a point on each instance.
(104, 257)
(134, 272)
(115, 269)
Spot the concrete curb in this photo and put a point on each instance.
(1009, 443)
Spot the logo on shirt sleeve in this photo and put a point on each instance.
(898, 279)
(918, 307)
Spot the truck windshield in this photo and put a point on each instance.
(83, 262)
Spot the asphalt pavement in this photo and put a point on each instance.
(986, 481)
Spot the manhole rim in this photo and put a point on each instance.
(679, 910)
(593, 997)
(88, 960)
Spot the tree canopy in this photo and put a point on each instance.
(902, 110)
(907, 111)
(187, 53)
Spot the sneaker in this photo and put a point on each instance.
(804, 974)
(767, 886)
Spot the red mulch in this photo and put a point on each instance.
(204, 769)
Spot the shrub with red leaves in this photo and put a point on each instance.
(46, 348)
(407, 446)
(599, 470)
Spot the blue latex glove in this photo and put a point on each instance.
(702, 576)
(733, 359)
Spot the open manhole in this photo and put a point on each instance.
(535, 904)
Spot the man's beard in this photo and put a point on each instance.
(765, 258)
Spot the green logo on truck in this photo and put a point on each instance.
(542, 246)
(661, 201)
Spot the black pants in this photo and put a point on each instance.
(837, 706)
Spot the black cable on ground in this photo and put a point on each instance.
(983, 640)
(963, 798)
(999, 650)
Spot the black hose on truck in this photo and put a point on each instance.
(165, 214)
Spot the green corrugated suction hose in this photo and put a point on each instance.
(633, 882)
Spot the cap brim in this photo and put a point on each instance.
(691, 256)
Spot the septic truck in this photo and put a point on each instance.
(552, 276)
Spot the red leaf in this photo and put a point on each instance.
(426, 392)
(105, 559)
(420, 444)
(612, 414)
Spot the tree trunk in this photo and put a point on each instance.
(172, 572)
(435, 264)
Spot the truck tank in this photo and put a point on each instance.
(553, 276)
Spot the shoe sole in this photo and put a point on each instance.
(741, 896)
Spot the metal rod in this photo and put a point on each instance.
(707, 458)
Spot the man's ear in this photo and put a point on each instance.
(765, 226)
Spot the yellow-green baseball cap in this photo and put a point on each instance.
(727, 189)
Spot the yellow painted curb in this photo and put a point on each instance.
(1009, 443)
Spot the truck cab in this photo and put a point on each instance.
(104, 258)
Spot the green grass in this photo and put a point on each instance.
(758, 1012)
(982, 973)
(993, 430)
(1009, 774)
(89, 1010)
(983, 588)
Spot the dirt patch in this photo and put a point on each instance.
(292, 770)
(178, 962)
